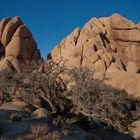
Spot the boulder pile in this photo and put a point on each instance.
(17, 45)
(110, 46)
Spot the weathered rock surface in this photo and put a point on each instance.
(17, 105)
(16, 41)
(40, 113)
(105, 45)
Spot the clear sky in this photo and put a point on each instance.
(51, 20)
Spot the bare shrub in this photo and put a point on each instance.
(50, 86)
(10, 80)
(55, 135)
(39, 130)
(100, 103)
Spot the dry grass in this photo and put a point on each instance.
(41, 131)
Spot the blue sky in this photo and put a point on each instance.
(51, 20)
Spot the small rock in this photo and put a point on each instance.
(16, 105)
(40, 113)
(16, 117)
(37, 103)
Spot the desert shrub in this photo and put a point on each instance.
(99, 103)
(89, 98)
(55, 135)
(102, 104)
(10, 80)
(41, 131)
(50, 86)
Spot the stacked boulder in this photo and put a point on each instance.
(17, 45)
(110, 46)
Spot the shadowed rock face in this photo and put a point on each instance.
(110, 46)
(17, 42)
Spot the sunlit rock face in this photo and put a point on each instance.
(110, 46)
(17, 44)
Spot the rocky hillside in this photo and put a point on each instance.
(88, 89)
(110, 46)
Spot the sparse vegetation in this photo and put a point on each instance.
(102, 104)
(88, 99)
(39, 130)
(42, 132)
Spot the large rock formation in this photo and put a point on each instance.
(110, 46)
(17, 44)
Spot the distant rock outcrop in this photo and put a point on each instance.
(17, 44)
(110, 46)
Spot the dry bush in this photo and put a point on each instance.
(41, 131)
(50, 86)
(97, 102)
(10, 80)
(55, 135)
(102, 104)
(33, 83)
